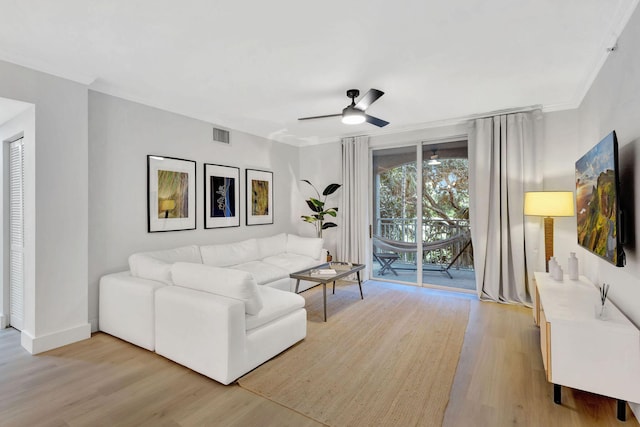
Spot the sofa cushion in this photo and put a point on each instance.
(157, 265)
(291, 262)
(276, 303)
(261, 271)
(225, 282)
(308, 246)
(272, 245)
(230, 253)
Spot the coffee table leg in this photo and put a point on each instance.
(297, 285)
(334, 287)
(360, 284)
(324, 295)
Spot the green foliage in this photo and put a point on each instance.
(445, 190)
(317, 205)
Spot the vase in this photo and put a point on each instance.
(601, 311)
(553, 265)
(573, 266)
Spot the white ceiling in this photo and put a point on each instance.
(256, 66)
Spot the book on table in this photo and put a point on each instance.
(324, 272)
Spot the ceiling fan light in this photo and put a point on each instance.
(434, 160)
(352, 116)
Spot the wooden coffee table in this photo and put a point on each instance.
(343, 269)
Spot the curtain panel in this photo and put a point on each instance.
(503, 164)
(354, 238)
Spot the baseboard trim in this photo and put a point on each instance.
(3, 321)
(35, 345)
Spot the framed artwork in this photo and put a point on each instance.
(171, 194)
(259, 197)
(221, 196)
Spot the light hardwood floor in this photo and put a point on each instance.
(107, 382)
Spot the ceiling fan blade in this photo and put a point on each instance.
(320, 117)
(376, 121)
(369, 98)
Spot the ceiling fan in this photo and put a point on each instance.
(354, 114)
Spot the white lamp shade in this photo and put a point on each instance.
(549, 203)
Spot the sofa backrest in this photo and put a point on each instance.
(308, 246)
(274, 245)
(225, 282)
(228, 254)
(156, 265)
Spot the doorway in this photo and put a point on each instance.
(420, 230)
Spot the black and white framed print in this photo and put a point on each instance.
(171, 194)
(259, 197)
(221, 196)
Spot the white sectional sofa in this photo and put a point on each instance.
(220, 310)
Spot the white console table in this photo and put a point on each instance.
(581, 351)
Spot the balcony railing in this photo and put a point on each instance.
(404, 230)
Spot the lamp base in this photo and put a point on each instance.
(548, 240)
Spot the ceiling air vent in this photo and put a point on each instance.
(221, 135)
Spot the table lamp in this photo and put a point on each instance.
(548, 204)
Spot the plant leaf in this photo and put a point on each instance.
(308, 219)
(328, 225)
(313, 206)
(331, 188)
(332, 213)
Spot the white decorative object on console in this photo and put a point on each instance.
(573, 266)
(553, 266)
(581, 351)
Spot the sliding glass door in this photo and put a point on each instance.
(420, 229)
(395, 214)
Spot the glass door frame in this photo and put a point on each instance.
(419, 206)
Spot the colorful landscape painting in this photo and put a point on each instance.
(223, 197)
(259, 197)
(173, 194)
(596, 200)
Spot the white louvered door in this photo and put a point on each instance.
(16, 233)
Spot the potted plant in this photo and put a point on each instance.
(318, 207)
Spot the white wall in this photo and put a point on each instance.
(56, 205)
(121, 135)
(433, 134)
(322, 165)
(560, 153)
(612, 103)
